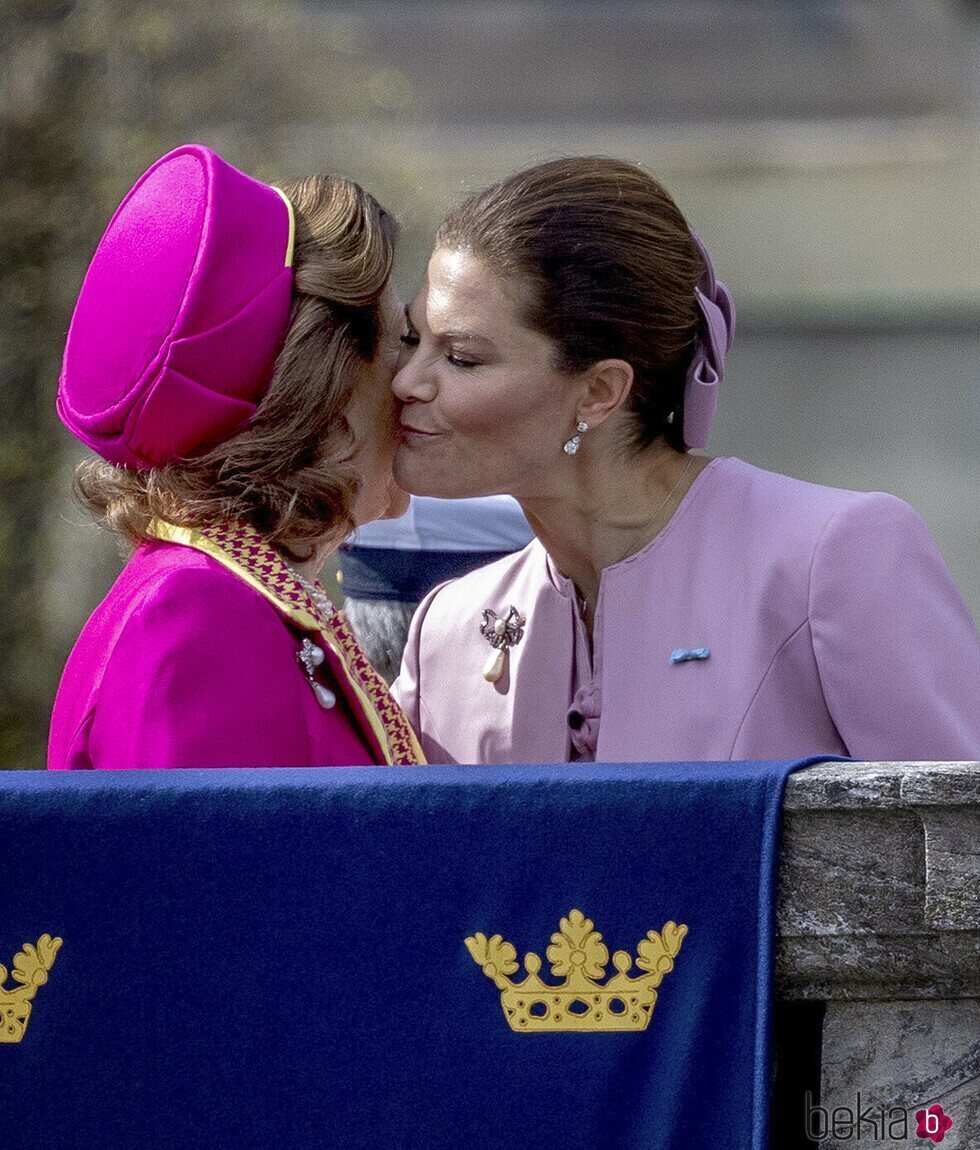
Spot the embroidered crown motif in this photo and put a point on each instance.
(31, 966)
(578, 954)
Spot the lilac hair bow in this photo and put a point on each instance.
(711, 344)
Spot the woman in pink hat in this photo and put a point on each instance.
(566, 349)
(230, 360)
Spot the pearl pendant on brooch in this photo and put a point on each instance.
(310, 656)
(493, 668)
(324, 696)
(501, 634)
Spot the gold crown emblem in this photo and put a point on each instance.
(578, 954)
(31, 966)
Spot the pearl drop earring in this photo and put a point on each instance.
(572, 445)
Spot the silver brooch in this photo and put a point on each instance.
(310, 656)
(501, 634)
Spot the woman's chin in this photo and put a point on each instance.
(410, 475)
(417, 475)
(397, 503)
(387, 501)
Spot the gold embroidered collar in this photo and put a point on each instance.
(246, 554)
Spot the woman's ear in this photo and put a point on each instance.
(608, 385)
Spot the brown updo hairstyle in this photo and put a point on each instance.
(600, 260)
(291, 473)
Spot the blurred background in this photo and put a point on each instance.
(827, 152)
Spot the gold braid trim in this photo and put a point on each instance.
(404, 746)
(246, 554)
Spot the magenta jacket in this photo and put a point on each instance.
(770, 619)
(191, 661)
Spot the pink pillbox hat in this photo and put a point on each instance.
(182, 313)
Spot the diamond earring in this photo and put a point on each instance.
(572, 445)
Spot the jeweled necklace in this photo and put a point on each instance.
(320, 598)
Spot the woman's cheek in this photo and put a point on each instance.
(476, 412)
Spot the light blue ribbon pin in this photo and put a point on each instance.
(685, 655)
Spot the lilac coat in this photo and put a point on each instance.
(832, 622)
(185, 665)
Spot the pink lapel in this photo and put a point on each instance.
(527, 708)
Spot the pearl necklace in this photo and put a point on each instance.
(320, 598)
(309, 654)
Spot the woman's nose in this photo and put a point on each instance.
(414, 380)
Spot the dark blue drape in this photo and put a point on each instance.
(277, 958)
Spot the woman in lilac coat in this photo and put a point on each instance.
(230, 362)
(566, 348)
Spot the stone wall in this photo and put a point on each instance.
(879, 917)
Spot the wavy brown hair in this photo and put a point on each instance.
(290, 474)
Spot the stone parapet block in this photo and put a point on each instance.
(879, 882)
